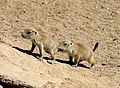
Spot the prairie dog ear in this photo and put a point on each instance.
(72, 41)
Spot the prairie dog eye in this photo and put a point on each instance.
(65, 44)
(35, 32)
(71, 43)
(28, 32)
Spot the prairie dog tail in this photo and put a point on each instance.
(95, 47)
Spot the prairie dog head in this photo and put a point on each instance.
(28, 33)
(65, 46)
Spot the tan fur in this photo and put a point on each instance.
(42, 41)
(78, 52)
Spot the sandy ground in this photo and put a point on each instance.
(84, 21)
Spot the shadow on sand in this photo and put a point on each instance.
(47, 58)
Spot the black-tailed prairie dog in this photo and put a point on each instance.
(78, 52)
(42, 41)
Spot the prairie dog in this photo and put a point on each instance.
(78, 52)
(42, 41)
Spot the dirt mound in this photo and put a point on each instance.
(85, 21)
(28, 70)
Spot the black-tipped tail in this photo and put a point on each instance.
(95, 47)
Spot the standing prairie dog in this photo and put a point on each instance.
(42, 40)
(78, 52)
